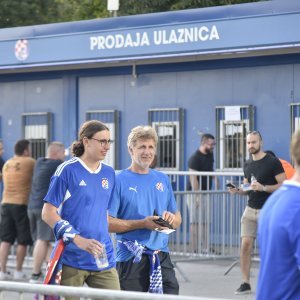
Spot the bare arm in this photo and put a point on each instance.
(194, 181)
(49, 214)
(256, 186)
(120, 225)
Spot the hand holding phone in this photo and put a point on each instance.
(231, 186)
(161, 222)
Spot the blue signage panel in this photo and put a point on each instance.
(238, 34)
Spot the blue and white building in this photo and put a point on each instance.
(223, 70)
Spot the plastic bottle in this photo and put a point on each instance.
(101, 259)
(253, 178)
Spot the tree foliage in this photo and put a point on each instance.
(132, 7)
(30, 12)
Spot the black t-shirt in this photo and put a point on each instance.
(1, 164)
(202, 163)
(43, 171)
(264, 171)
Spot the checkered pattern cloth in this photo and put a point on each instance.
(155, 269)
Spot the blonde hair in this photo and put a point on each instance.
(141, 133)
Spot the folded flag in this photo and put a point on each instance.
(155, 269)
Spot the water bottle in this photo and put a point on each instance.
(101, 258)
(253, 179)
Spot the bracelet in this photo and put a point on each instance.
(264, 188)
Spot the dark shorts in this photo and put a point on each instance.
(15, 224)
(135, 277)
(39, 229)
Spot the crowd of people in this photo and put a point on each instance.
(77, 203)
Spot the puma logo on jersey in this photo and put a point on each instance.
(82, 183)
(133, 189)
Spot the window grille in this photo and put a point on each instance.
(37, 128)
(231, 145)
(168, 124)
(111, 119)
(295, 117)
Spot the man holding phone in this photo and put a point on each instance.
(142, 208)
(263, 174)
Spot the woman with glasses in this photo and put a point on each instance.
(76, 208)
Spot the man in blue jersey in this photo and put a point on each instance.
(141, 193)
(279, 238)
(76, 208)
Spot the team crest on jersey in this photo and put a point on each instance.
(105, 183)
(160, 186)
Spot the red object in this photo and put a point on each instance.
(53, 261)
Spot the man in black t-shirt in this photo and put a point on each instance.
(263, 174)
(40, 231)
(201, 161)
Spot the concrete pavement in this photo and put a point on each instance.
(207, 279)
(202, 278)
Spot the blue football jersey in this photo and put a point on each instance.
(135, 197)
(82, 198)
(279, 241)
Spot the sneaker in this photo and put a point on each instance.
(36, 278)
(245, 288)
(5, 276)
(19, 275)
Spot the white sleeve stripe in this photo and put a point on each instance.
(61, 167)
(67, 196)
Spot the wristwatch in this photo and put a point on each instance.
(264, 188)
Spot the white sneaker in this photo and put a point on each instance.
(19, 275)
(5, 276)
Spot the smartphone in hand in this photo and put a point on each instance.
(231, 186)
(161, 222)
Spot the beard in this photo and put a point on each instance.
(208, 150)
(254, 151)
(142, 164)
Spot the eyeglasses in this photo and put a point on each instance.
(103, 142)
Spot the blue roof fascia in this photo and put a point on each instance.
(159, 68)
(154, 19)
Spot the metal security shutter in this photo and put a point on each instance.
(169, 124)
(111, 120)
(37, 128)
(231, 136)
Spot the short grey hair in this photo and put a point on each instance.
(141, 133)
